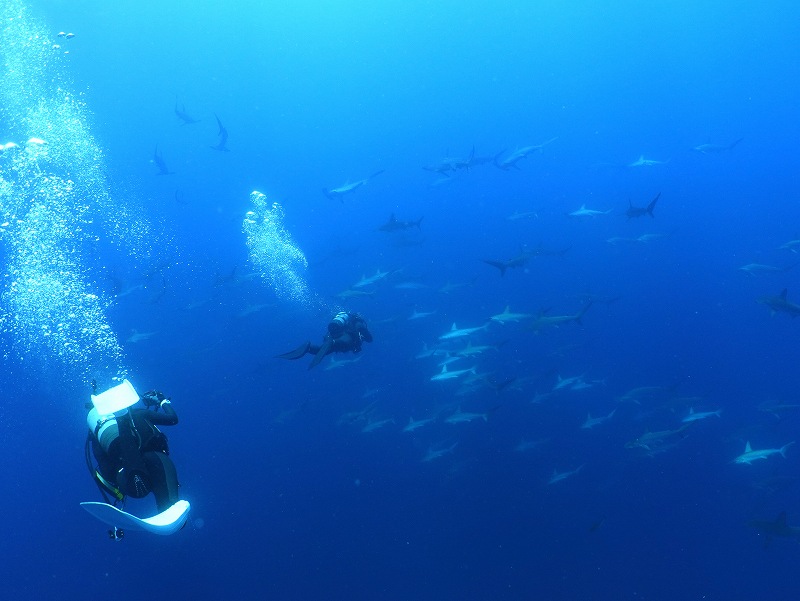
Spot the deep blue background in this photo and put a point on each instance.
(315, 94)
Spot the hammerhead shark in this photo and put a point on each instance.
(776, 528)
(543, 320)
(396, 225)
(158, 159)
(348, 188)
(584, 212)
(223, 137)
(642, 211)
(519, 261)
(643, 162)
(780, 304)
(521, 153)
(181, 114)
(714, 148)
(449, 164)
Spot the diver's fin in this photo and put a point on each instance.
(296, 353)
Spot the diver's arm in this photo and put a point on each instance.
(167, 418)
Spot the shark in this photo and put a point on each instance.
(436, 453)
(543, 321)
(791, 245)
(650, 237)
(644, 393)
(567, 383)
(615, 240)
(429, 352)
(446, 165)
(420, 314)
(463, 417)
(778, 408)
(474, 349)
(591, 422)
(643, 162)
(642, 211)
(396, 225)
(777, 528)
(414, 424)
(223, 136)
(519, 261)
(348, 188)
(350, 293)
(716, 148)
(158, 159)
(584, 212)
(560, 476)
(653, 441)
(780, 304)
(371, 426)
(694, 416)
(137, 336)
(453, 286)
(456, 332)
(181, 114)
(520, 153)
(507, 315)
(750, 455)
(450, 375)
(755, 269)
(377, 277)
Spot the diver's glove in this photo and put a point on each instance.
(152, 398)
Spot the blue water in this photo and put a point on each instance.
(291, 499)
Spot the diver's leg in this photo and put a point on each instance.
(163, 479)
(325, 349)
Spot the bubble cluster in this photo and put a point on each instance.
(55, 200)
(272, 251)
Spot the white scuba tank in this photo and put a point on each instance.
(104, 427)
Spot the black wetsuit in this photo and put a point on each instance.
(138, 462)
(344, 335)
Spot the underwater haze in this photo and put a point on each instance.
(572, 227)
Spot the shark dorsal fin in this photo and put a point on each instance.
(507, 309)
(454, 328)
(747, 447)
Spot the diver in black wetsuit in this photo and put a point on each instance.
(132, 454)
(346, 332)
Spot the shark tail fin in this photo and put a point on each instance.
(785, 447)
(652, 204)
(498, 264)
(583, 311)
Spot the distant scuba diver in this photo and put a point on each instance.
(346, 332)
(131, 459)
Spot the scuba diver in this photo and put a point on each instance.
(131, 453)
(346, 332)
